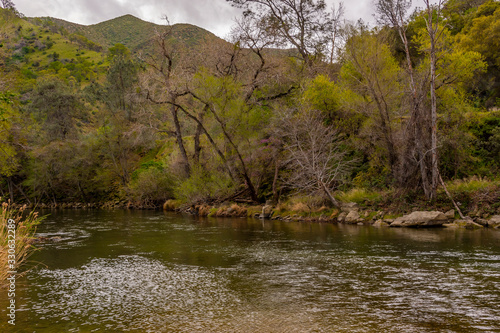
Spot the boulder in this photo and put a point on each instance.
(348, 206)
(267, 212)
(494, 222)
(380, 223)
(421, 219)
(352, 217)
(450, 214)
(341, 217)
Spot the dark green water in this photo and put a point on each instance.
(142, 271)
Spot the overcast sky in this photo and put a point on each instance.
(216, 16)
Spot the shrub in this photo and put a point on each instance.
(25, 228)
(360, 196)
(204, 186)
(151, 184)
(469, 185)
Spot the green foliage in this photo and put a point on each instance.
(360, 196)
(481, 35)
(57, 107)
(119, 50)
(469, 185)
(25, 225)
(9, 118)
(57, 145)
(151, 183)
(204, 185)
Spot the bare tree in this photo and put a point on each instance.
(434, 31)
(8, 4)
(423, 123)
(395, 14)
(337, 15)
(316, 158)
(302, 24)
(167, 74)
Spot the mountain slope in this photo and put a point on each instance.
(134, 33)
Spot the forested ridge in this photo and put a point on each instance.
(297, 104)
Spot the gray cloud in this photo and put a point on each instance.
(216, 16)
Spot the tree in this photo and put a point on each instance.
(165, 83)
(481, 34)
(121, 83)
(56, 107)
(10, 141)
(370, 70)
(8, 4)
(302, 24)
(394, 14)
(316, 158)
(434, 31)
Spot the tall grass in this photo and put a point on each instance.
(360, 196)
(25, 229)
(471, 185)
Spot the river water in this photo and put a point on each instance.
(149, 271)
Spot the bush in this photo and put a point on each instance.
(360, 196)
(204, 186)
(469, 186)
(25, 228)
(151, 184)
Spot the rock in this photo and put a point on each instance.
(267, 212)
(421, 219)
(389, 221)
(341, 217)
(494, 222)
(450, 214)
(450, 225)
(482, 222)
(348, 206)
(352, 217)
(361, 223)
(380, 223)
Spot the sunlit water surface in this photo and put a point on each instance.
(143, 271)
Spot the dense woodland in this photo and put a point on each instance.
(296, 102)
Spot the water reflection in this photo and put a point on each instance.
(149, 272)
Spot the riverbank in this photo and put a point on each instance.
(477, 199)
(349, 213)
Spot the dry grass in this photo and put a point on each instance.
(25, 230)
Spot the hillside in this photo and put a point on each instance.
(34, 47)
(131, 31)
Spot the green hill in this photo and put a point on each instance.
(132, 32)
(34, 47)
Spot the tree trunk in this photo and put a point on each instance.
(197, 135)
(329, 194)
(11, 189)
(246, 177)
(432, 30)
(180, 141)
(275, 182)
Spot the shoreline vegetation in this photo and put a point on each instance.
(16, 239)
(478, 199)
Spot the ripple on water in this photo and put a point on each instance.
(131, 293)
